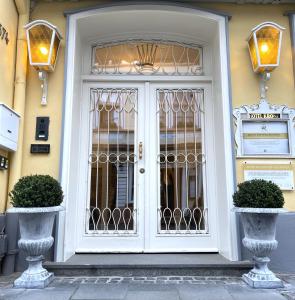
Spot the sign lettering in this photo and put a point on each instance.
(4, 34)
(281, 174)
(264, 116)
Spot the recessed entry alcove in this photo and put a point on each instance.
(147, 156)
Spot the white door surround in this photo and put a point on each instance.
(152, 21)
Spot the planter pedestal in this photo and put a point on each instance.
(35, 277)
(36, 226)
(260, 227)
(261, 276)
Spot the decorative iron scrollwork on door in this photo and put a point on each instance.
(112, 203)
(182, 207)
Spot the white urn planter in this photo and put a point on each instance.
(260, 228)
(36, 239)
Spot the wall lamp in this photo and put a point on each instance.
(43, 44)
(264, 46)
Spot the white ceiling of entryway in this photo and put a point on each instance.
(147, 22)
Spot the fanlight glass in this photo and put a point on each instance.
(153, 57)
(43, 44)
(264, 46)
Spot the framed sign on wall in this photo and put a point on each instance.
(264, 130)
(265, 137)
(280, 173)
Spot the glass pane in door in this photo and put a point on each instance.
(182, 206)
(112, 199)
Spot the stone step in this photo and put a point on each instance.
(156, 264)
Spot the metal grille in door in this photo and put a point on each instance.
(112, 199)
(182, 206)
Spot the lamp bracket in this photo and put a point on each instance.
(264, 77)
(43, 76)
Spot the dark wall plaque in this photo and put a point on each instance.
(40, 148)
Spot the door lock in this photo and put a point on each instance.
(141, 170)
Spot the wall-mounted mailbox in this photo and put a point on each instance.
(9, 125)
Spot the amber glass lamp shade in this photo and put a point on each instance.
(43, 44)
(265, 46)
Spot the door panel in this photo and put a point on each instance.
(180, 205)
(113, 209)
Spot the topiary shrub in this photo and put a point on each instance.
(258, 193)
(36, 191)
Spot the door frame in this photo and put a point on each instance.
(217, 45)
(147, 239)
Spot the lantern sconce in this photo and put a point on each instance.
(264, 46)
(43, 40)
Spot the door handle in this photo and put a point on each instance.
(140, 150)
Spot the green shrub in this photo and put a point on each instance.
(258, 193)
(36, 191)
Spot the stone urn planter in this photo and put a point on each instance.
(260, 228)
(259, 203)
(36, 239)
(36, 200)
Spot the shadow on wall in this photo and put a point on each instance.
(283, 258)
(14, 260)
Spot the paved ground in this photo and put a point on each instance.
(147, 288)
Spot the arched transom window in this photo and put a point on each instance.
(151, 57)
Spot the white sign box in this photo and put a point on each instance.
(265, 137)
(264, 130)
(280, 174)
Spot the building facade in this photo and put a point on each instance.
(142, 131)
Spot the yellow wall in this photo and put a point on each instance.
(245, 85)
(8, 19)
(244, 82)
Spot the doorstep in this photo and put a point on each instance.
(156, 264)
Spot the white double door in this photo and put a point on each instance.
(147, 161)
